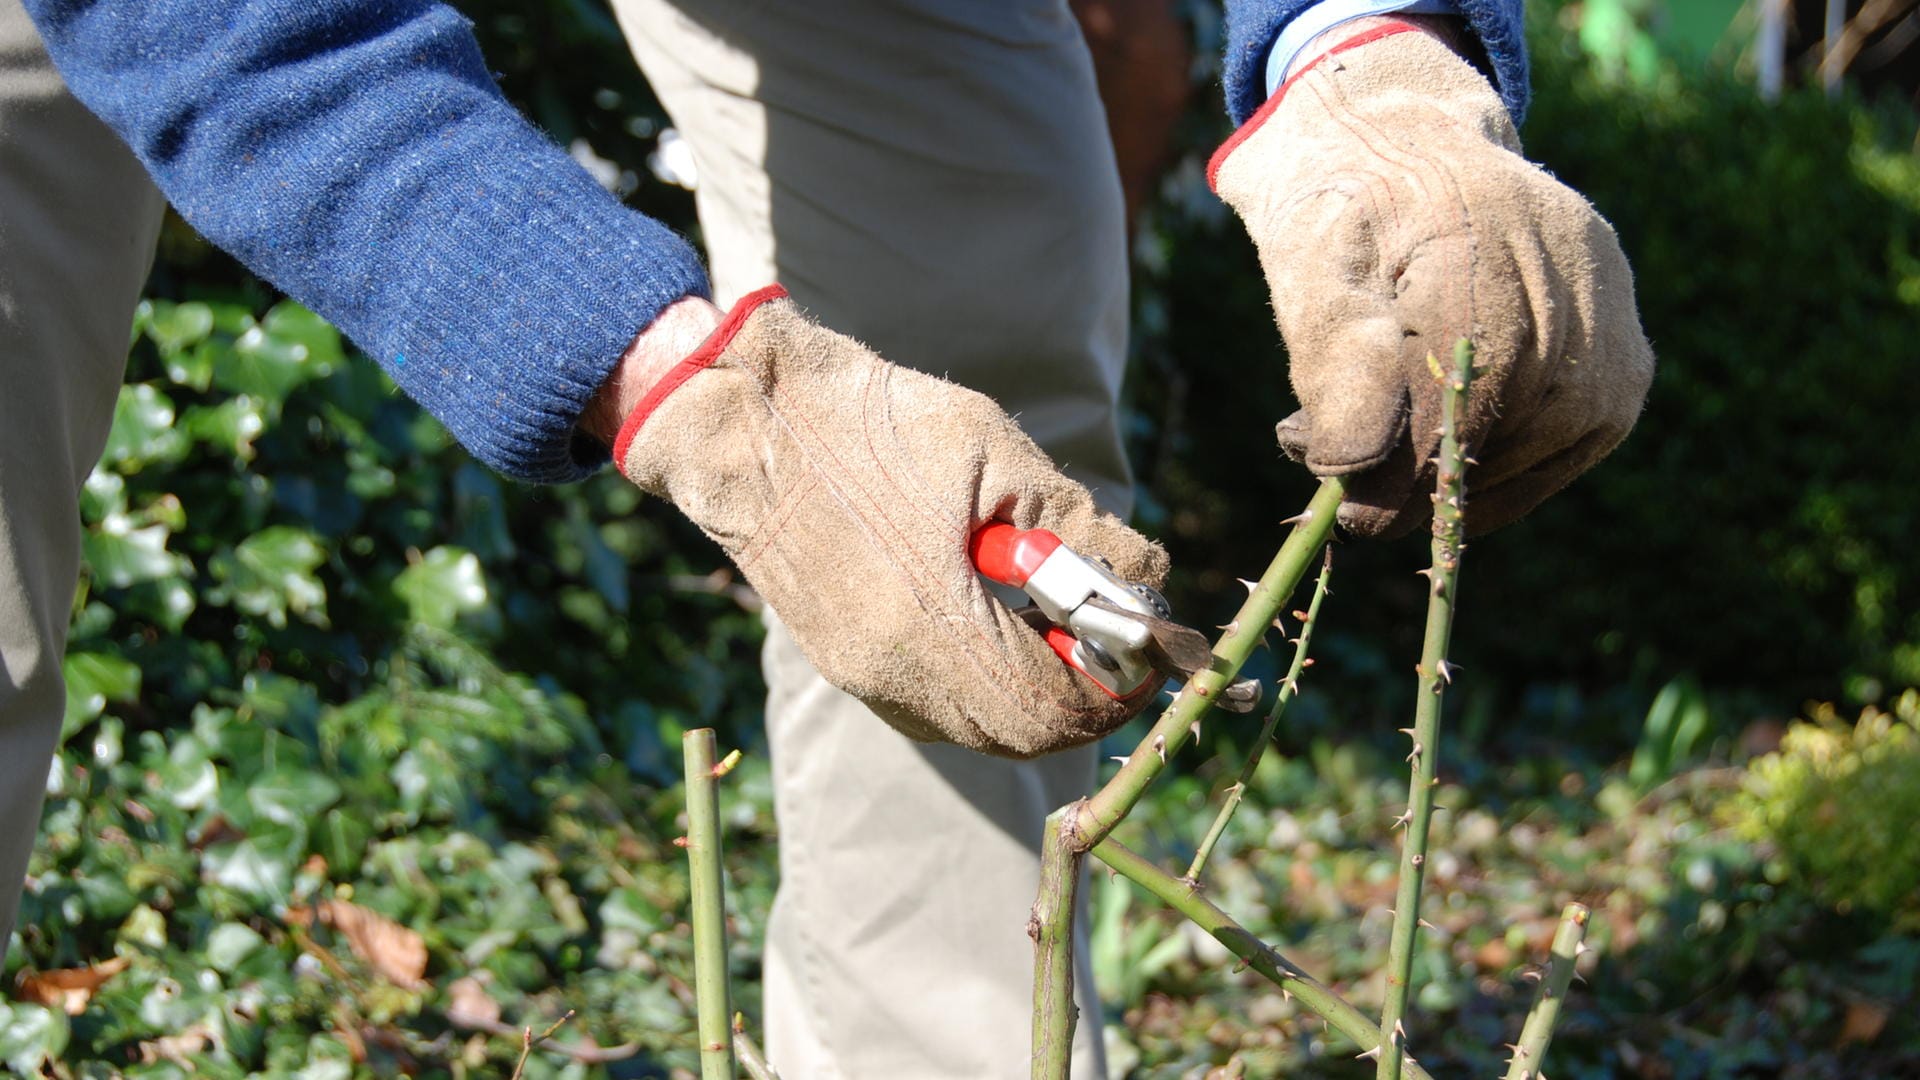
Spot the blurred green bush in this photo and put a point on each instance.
(1838, 801)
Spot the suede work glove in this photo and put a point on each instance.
(1393, 213)
(846, 488)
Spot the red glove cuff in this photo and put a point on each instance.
(696, 361)
(1246, 130)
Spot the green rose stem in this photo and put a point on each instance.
(1288, 687)
(1568, 943)
(1449, 507)
(1074, 829)
(709, 903)
(1178, 894)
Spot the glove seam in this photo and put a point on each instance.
(1245, 131)
(697, 361)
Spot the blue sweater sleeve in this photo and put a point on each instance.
(357, 154)
(1252, 26)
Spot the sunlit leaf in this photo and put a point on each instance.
(271, 573)
(443, 585)
(143, 431)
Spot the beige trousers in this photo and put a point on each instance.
(936, 180)
(78, 219)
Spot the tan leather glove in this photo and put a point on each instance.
(845, 488)
(1393, 213)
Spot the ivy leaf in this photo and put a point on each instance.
(271, 573)
(230, 426)
(143, 431)
(93, 679)
(291, 323)
(120, 555)
(443, 585)
(174, 327)
(31, 1036)
(292, 796)
(265, 366)
(231, 943)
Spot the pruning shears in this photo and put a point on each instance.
(1118, 633)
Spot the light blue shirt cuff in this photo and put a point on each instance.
(1328, 14)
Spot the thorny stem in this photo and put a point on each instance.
(1568, 943)
(1288, 687)
(751, 1059)
(1449, 506)
(1073, 829)
(1099, 814)
(1258, 955)
(709, 905)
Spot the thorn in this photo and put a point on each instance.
(1229, 627)
(1447, 668)
(1122, 759)
(1408, 732)
(1277, 626)
(1193, 729)
(1533, 976)
(1293, 686)
(1399, 1033)
(1160, 747)
(1251, 585)
(1414, 754)
(1286, 994)
(1403, 820)
(1581, 948)
(1371, 1055)
(1427, 573)
(1428, 925)
(1300, 518)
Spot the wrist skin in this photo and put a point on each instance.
(671, 337)
(1450, 29)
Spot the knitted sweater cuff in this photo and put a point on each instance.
(1253, 26)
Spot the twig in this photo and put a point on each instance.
(1074, 829)
(1258, 955)
(528, 1042)
(751, 1059)
(1449, 508)
(709, 905)
(1288, 687)
(1568, 943)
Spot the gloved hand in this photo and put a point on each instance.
(1384, 188)
(845, 488)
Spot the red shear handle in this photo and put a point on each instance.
(1010, 555)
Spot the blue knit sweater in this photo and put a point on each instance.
(357, 154)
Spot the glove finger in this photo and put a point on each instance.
(1509, 500)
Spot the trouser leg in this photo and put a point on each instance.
(936, 180)
(78, 219)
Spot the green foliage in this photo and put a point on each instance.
(1839, 800)
(297, 673)
(1677, 723)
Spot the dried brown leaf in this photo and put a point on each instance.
(67, 989)
(395, 951)
(470, 1006)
